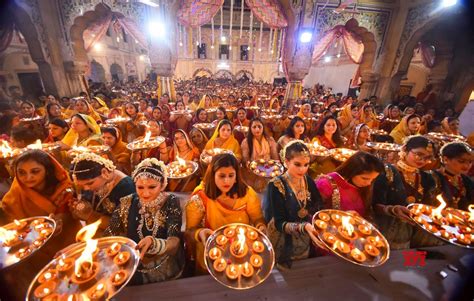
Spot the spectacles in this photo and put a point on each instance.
(421, 157)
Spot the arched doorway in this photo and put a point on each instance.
(202, 72)
(223, 74)
(244, 74)
(97, 73)
(117, 72)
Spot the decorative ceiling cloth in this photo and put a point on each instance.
(195, 13)
(94, 32)
(428, 54)
(269, 12)
(353, 45)
(7, 29)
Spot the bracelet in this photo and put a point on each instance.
(392, 210)
(260, 224)
(196, 234)
(302, 226)
(159, 246)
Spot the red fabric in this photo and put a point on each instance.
(96, 31)
(195, 13)
(428, 54)
(131, 28)
(353, 45)
(269, 12)
(349, 194)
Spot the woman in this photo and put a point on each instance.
(160, 152)
(408, 126)
(221, 198)
(100, 106)
(368, 116)
(328, 134)
(257, 146)
(359, 138)
(296, 130)
(41, 187)
(220, 115)
(392, 117)
(27, 110)
(118, 149)
(305, 114)
(53, 110)
(452, 179)
(101, 186)
(198, 138)
(349, 187)
(57, 129)
(201, 116)
(292, 201)
(84, 131)
(349, 118)
(133, 128)
(81, 106)
(279, 125)
(180, 121)
(451, 126)
(241, 119)
(184, 149)
(223, 138)
(403, 184)
(151, 218)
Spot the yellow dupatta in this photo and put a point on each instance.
(71, 138)
(261, 150)
(246, 210)
(104, 109)
(202, 102)
(21, 201)
(230, 144)
(345, 117)
(401, 131)
(373, 123)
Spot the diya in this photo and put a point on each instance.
(448, 224)
(94, 278)
(239, 251)
(348, 236)
(22, 238)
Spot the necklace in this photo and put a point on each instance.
(301, 193)
(150, 215)
(411, 176)
(455, 185)
(104, 192)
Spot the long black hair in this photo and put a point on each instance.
(336, 137)
(250, 134)
(42, 158)
(290, 131)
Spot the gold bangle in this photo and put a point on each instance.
(196, 234)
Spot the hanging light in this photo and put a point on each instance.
(306, 37)
(448, 3)
(223, 39)
(327, 59)
(338, 55)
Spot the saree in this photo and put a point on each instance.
(121, 154)
(72, 138)
(401, 131)
(230, 144)
(22, 202)
(201, 211)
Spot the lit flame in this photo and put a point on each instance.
(471, 213)
(99, 287)
(36, 145)
(87, 232)
(86, 257)
(181, 162)
(147, 136)
(241, 240)
(437, 212)
(347, 226)
(6, 149)
(7, 235)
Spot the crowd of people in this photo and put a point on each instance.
(132, 195)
